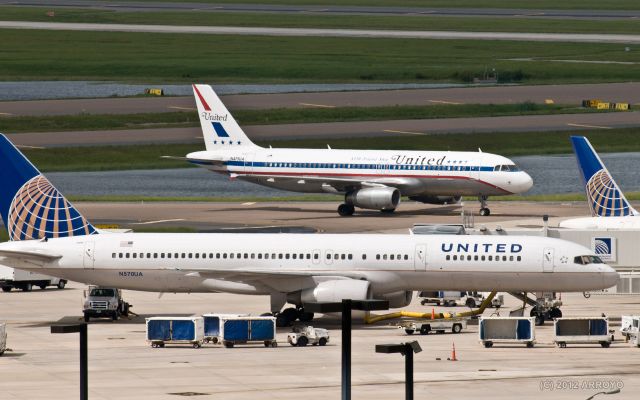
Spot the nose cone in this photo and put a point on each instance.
(610, 277)
(520, 182)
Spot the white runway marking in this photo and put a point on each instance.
(444, 102)
(158, 221)
(183, 108)
(407, 132)
(250, 203)
(316, 105)
(590, 126)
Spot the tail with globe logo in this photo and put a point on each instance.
(30, 206)
(603, 194)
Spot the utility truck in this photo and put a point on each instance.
(437, 325)
(12, 278)
(304, 335)
(104, 302)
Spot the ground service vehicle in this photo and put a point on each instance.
(507, 330)
(104, 302)
(304, 335)
(175, 330)
(11, 278)
(437, 325)
(582, 330)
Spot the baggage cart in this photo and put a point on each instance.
(175, 330)
(212, 326)
(245, 330)
(520, 330)
(582, 330)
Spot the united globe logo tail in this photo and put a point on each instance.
(31, 207)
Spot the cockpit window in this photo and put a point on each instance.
(585, 260)
(506, 168)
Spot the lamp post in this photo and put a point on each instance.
(82, 329)
(407, 350)
(345, 307)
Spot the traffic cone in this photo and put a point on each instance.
(453, 352)
(433, 313)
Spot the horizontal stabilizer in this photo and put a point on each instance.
(30, 255)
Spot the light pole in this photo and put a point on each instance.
(82, 329)
(407, 350)
(345, 307)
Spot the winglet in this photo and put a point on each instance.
(603, 194)
(30, 206)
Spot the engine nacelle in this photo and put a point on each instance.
(437, 199)
(335, 291)
(374, 198)
(397, 299)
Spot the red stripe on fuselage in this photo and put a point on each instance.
(204, 103)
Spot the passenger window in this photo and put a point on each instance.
(280, 256)
(197, 255)
(316, 256)
(336, 256)
(384, 256)
(455, 257)
(391, 257)
(230, 255)
(482, 258)
(350, 256)
(239, 255)
(176, 255)
(259, 256)
(148, 255)
(510, 258)
(190, 255)
(519, 258)
(141, 255)
(246, 255)
(168, 255)
(113, 255)
(475, 258)
(377, 256)
(504, 258)
(364, 256)
(343, 256)
(253, 255)
(287, 256)
(448, 257)
(308, 256)
(126, 255)
(217, 255)
(295, 256)
(328, 256)
(490, 258)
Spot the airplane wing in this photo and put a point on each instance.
(34, 256)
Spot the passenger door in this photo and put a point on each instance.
(420, 257)
(548, 260)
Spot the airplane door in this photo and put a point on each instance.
(89, 254)
(547, 260)
(420, 257)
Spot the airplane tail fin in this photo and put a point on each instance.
(219, 128)
(30, 206)
(603, 194)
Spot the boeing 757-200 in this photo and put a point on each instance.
(371, 179)
(49, 235)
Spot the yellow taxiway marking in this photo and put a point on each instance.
(407, 132)
(590, 126)
(445, 102)
(158, 221)
(1, 113)
(183, 108)
(249, 203)
(317, 105)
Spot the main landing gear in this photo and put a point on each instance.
(346, 210)
(484, 210)
(289, 315)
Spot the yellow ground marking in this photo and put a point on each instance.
(590, 126)
(317, 105)
(183, 108)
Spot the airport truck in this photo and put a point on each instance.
(437, 325)
(304, 335)
(11, 278)
(104, 302)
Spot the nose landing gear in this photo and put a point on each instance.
(484, 210)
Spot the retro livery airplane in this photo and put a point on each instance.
(371, 179)
(610, 209)
(49, 235)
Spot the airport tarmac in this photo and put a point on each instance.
(122, 365)
(627, 92)
(317, 216)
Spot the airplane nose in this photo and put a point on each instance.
(610, 278)
(521, 183)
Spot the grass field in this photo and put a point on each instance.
(408, 22)
(163, 58)
(505, 143)
(277, 116)
(514, 4)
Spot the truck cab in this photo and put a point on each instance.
(104, 302)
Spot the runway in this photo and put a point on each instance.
(627, 92)
(314, 32)
(328, 9)
(338, 130)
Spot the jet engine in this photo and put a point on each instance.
(397, 299)
(374, 198)
(332, 291)
(437, 199)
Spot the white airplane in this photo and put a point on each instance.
(48, 235)
(610, 209)
(371, 179)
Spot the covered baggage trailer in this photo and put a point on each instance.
(212, 327)
(3, 338)
(175, 330)
(507, 330)
(582, 330)
(244, 330)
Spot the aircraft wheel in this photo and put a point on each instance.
(346, 210)
(388, 210)
(485, 212)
